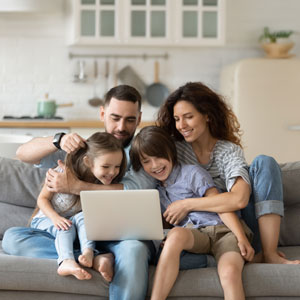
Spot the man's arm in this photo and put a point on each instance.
(67, 182)
(38, 148)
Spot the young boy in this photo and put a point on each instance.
(223, 235)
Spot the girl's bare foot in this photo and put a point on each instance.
(86, 258)
(104, 264)
(70, 267)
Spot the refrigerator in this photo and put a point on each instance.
(265, 95)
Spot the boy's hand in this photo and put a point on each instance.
(175, 212)
(61, 223)
(246, 249)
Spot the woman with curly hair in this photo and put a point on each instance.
(207, 133)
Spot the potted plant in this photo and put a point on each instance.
(276, 44)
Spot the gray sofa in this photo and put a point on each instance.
(31, 278)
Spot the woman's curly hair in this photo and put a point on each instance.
(223, 123)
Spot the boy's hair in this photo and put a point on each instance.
(152, 141)
(97, 144)
(124, 93)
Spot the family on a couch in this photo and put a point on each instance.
(194, 155)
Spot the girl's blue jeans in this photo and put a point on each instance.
(64, 239)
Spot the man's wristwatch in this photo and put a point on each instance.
(57, 138)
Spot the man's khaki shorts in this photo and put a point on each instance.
(217, 240)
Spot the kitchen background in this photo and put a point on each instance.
(38, 36)
(34, 56)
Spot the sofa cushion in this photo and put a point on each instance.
(291, 182)
(13, 215)
(290, 225)
(20, 183)
(33, 274)
(26, 274)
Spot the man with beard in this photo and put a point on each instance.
(121, 115)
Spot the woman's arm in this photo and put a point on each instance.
(233, 223)
(234, 200)
(44, 203)
(213, 201)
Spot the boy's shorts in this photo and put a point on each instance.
(217, 240)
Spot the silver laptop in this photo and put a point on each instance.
(122, 215)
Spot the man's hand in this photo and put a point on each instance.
(61, 223)
(176, 212)
(61, 182)
(71, 142)
(246, 249)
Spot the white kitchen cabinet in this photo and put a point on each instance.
(264, 94)
(147, 22)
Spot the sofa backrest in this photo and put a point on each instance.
(20, 185)
(290, 224)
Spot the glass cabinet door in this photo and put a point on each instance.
(98, 18)
(148, 20)
(201, 21)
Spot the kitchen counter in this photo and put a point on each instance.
(58, 124)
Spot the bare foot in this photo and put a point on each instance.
(70, 267)
(86, 258)
(279, 258)
(104, 264)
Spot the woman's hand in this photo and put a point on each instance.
(61, 223)
(246, 249)
(176, 212)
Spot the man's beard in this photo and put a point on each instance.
(126, 141)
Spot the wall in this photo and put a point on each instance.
(34, 57)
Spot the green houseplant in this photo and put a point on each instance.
(276, 43)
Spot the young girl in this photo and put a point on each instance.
(101, 161)
(222, 234)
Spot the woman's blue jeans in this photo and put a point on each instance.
(266, 196)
